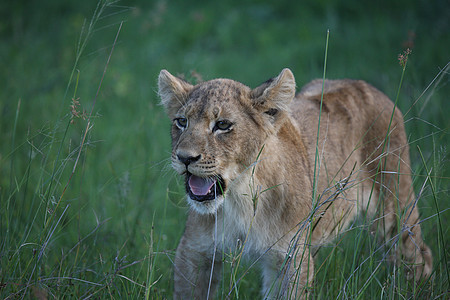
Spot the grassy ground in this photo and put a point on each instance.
(89, 204)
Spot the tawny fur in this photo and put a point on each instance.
(288, 186)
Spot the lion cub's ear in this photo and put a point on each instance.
(274, 96)
(173, 92)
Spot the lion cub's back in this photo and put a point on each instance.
(348, 105)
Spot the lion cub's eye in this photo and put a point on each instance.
(223, 125)
(181, 123)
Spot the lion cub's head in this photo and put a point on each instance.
(218, 129)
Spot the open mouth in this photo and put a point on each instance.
(203, 189)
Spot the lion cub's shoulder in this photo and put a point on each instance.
(314, 88)
(345, 93)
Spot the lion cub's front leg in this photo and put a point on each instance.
(193, 265)
(287, 276)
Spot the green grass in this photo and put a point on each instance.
(98, 213)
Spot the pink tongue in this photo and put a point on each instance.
(200, 186)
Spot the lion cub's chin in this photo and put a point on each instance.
(206, 207)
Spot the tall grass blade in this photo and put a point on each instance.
(441, 239)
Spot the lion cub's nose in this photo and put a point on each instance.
(187, 159)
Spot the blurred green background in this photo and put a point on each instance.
(111, 228)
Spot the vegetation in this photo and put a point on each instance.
(90, 207)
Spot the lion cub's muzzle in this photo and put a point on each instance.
(200, 186)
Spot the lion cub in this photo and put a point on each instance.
(261, 175)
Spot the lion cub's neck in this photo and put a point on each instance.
(264, 194)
